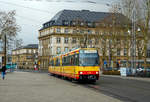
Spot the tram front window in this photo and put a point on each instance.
(89, 59)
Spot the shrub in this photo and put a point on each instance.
(111, 72)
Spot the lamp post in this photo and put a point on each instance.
(5, 50)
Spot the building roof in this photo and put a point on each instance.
(74, 15)
(29, 46)
(85, 15)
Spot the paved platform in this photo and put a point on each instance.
(40, 87)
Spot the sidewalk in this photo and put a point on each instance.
(40, 87)
(128, 77)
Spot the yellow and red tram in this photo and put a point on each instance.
(79, 64)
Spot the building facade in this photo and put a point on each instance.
(70, 29)
(25, 57)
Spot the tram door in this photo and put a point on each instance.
(72, 62)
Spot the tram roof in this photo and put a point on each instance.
(73, 51)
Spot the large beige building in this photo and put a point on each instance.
(25, 57)
(70, 29)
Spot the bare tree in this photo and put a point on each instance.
(18, 43)
(118, 36)
(142, 21)
(8, 28)
(145, 26)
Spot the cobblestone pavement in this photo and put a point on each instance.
(40, 87)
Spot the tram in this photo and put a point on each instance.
(80, 64)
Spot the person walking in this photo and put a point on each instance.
(3, 71)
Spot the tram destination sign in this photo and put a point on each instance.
(90, 51)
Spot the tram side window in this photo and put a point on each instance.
(76, 59)
(57, 62)
(68, 61)
(64, 61)
(51, 63)
(71, 60)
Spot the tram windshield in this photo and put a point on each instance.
(89, 58)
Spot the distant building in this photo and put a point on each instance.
(25, 57)
(73, 28)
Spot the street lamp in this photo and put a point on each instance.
(133, 41)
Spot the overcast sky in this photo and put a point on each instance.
(31, 14)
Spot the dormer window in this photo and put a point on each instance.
(89, 24)
(65, 23)
(81, 23)
(74, 23)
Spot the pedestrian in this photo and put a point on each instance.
(3, 71)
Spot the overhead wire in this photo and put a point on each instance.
(29, 19)
(35, 9)
(45, 11)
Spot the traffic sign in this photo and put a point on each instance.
(105, 62)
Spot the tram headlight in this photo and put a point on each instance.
(81, 72)
(97, 72)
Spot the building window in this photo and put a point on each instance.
(50, 41)
(74, 31)
(118, 52)
(65, 23)
(66, 40)
(89, 31)
(66, 49)
(118, 41)
(51, 30)
(58, 40)
(148, 53)
(81, 31)
(66, 30)
(96, 32)
(125, 52)
(73, 40)
(58, 30)
(30, 51)
(58, 50)
(81, 40)
(96, 41)
(89, 41)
